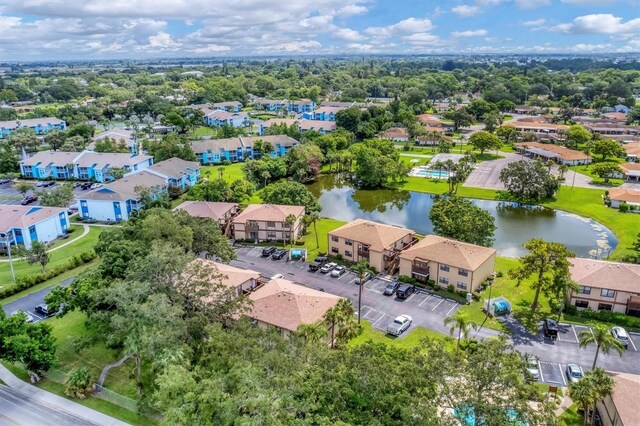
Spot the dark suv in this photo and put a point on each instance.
(550, 328)
(278, 254)
(317, 264)
(268, 251)
(404, 291)
(391, 288)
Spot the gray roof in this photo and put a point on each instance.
(124, 189)
(272, 139)
(173, 167)
(30, 122)
(113, 159)
(60, 158)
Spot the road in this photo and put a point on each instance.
(18, 408)
(27, 303)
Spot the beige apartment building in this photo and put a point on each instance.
(267, 222)
(621, 408)
(374, 242)
(448, 262)
(605, 286)
(217, 211)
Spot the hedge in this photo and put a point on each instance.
(23, 283)
(616, 318)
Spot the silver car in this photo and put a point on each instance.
(531, 362)
(574, 372)
(399, 325)
(621, 335)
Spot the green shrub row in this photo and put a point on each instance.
(616, 318)
(23, 283)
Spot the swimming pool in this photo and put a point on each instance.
(436, 174)
(468, 418)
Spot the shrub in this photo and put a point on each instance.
(500, 274)
(616, 318)
(623, 207)
(451, 289)
(71, 230)
(406, 279)
(79, 383)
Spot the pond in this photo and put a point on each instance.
(516, 223)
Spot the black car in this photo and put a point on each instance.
(391, 288)
(43, 310)
(29, 199)
(3, 181)
(278, 254)
(550, 328)
(317, 264)
(404, 291)
(49, 183)
(77, 184)
(86, 185)
(268, 251)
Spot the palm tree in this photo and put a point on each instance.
(312, 333)
(361, 269)
(550, 164)
(313, 218)
(600, 335)
(266, 175)
(582, 394)
(220, 172)
(290, 220)
(593, 387)
(341, 317)
(463, 323)
(562, 169)
(332, 317)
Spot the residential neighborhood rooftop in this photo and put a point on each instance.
(377, 236)
(625, 397)
(551, 150)
(625, 194)
(268, 212)
(55, 157)
(207, 209)
(125, 188)
(603, 274)
(12, 216)
(174, 167)
(449, 252)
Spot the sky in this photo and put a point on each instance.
(95, 29)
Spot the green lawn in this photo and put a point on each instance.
(60, 256)
(231, 172)
(323, 226)
(571, 417)
(587, 170)
(411, 340)
(203, 131)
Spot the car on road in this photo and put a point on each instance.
(550, 328)
(95, 186)
(327, 267)
(268, 251)
(29, 199)
(399, 325)
(574, 372)
(317, 263)
(532, 367)
(41, 184)
(77, 184)
(86, 185)
(43, 310)
(338, 271)
(4, 181)
(365, 278)
(391, 288)
(404, 291)
(277, 277)
(278, 254)
(29, 317)
(620, 335)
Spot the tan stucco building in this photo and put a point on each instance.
(448, 262)
(266, 222)
(374, 242)
(602, 285)
(621, 408)
(217, 211)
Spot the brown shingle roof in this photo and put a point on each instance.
(17, 217)
(602, 274)
(555, 150)
(395, 132)
(288, 305)
(211, 210)
(268, 212)
(376, 235)
(632, 148)
(231, 276)
(625, 397)
(625, 194)
(450, 252)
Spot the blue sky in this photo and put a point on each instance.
(61, 29)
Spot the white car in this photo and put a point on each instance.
(574, 372)
(531, 362)
(621, 335)
(96, 186)
(399, 325)
(327, 267)
(277, 277)
(338, 271)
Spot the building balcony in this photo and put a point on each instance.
(419, 270)
(252, 226)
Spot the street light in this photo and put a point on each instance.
(6, 239)
(493, 277)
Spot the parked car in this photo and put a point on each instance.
(532, 367)
(574, 372)
(277, 277)
(268, 251)
(41, 184)
(399, 325)
(391, 288)
(327, 267)
(95, 186)
(86, 185)
(29, 317)
(29, 199)
(404, 290)
(621, 335)
(77, 184)
(338, 271)
(367, 277)
(317, 263)
(43, 310)
(278, 254)
(4, 181)
(49, 183)
(550, 328)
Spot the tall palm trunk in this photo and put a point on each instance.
(595, 359)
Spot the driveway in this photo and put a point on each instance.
(487, 173)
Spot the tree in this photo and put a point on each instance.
(460, 118)
(312, 218)
(289, 221)
(290, 193)
(348, 119)
(74, 144)
(8, 160)
(304, 161)
(376, 163)
(170, 146)
(55, 139)
(562, 169)
(491, 120)
(529, 180)
(604, 340)
(79, 384)
(37, 254)
(60, 196)
(463, 323)
(361, 269)
(86, 131)
(606, 170)
(213, 190)
(507, 133)
(484, 140)
(23, 139)
(312, 333)
(607, 148)
(460, 219)
(593, 387)
(577, 135)
(242, 190)
(545, 260)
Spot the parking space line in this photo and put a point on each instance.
(428, 297)
(452, 308)
(574, 333)
(353, 280)
(632, 344)
(562, 374)
(436, 307)
(374, 324)
(540, 370)
(410, 297)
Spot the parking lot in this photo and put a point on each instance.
(9, 194)
(570, 333)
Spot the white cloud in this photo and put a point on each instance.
(406, 26)
(347, 34)
(601, 23)
(465, 10)
(213, 48)
(361, 47)
(422, 39)
(351, 10)
(469, 33)
(590, 3)
(532, 4)
(293, 46)
(534, 23)
(162, 41)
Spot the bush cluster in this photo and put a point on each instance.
(616, 318)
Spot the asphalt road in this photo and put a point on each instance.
(17, 408)
(27, 303)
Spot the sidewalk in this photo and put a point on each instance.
(56, 402)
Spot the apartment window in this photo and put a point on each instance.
(461, 285)
(335, 239)
(443, 280)
(444, 268)
(348, 242)
(605, 292)
(347, 253)
(581, 304)
(463, 272)
(604, 307)
(271, 234)
(271, 224)
(335, 250)
(584, 290)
